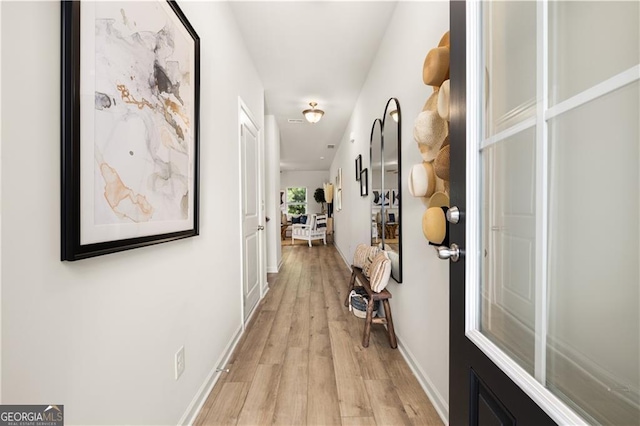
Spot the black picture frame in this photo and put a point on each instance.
(72, 144)
(364, 182)
(358, 166)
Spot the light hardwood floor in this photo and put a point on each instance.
(301, 361)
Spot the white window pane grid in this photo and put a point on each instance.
(496, 138)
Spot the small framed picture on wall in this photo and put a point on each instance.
(364, 182)
(358, 166)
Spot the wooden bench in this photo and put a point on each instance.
(384, 297)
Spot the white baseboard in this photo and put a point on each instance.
(190, 415)
(439, 403)
(253, 311)
(275, 269)
(264, 293)
(346, 262)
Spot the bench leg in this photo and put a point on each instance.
(392, 333)
(367, 324)
(352, 283)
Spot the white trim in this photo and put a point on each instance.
(262, 206)
(196, 404)
(438, 401)
(548, 402)
(614, 83)
(252, 313)
(541, 176)
(346, 262)
(243, 109)
(241, 215)
(507, 133)
(474, 86)
(273, 270)
(515, 113)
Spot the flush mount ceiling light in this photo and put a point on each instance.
(313, 115)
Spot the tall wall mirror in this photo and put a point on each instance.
(386, 205)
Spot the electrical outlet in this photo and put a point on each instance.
(179, 362)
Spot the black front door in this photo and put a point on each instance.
(544, 306)
(480, 392)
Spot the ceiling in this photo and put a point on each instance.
(312, 51)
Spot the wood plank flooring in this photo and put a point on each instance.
(300, 360)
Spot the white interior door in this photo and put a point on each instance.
(508, 299)
(252, 226)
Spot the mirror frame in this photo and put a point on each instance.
(382, 122)
(373, 129)
(386, 116)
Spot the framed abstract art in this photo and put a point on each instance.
(130, 117)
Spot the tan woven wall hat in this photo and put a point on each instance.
(435, 69)
(445, 40)
(443, 100)
(434, 225)
(439, 199)
(429, 129)
(442, 163)
(422, 180)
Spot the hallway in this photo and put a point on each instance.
(300, 360)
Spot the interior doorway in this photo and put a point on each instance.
(252, 208)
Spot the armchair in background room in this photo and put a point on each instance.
(285, 225)
(314, 229)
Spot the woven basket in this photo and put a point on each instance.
(358, 301)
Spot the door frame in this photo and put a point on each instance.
(244, 110)
(464, 337)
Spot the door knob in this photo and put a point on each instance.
(452, 253)
(260, 228)
(453, 215)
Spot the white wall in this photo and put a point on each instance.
(421, 303)
(99, 335)
(309, 179)
(272, 196)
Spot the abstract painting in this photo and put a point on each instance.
(130, 93)
(381, 197)
(377, 198)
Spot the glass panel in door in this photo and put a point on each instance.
(509, 43)
(590, 42)
(593, 343)
(559, 289)
(509, 227)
